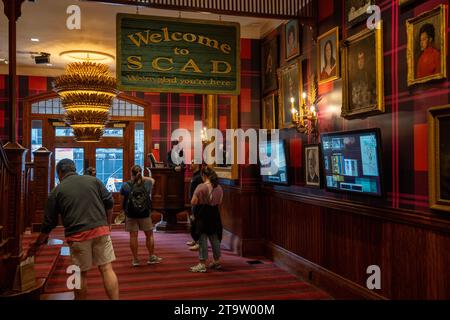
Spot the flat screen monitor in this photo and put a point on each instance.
(352, 161)
(273, 164)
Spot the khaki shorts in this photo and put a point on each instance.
(133, 225)
(98, 251)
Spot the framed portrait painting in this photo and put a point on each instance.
(328, 56)
(356, 10)
(269, 65)
(291, 40)
(427, 46)
(289, 94)
(311, 154)
(268, 112)
(362, 73)
(439, 157)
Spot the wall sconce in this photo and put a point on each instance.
(305, 119)
(204, 136)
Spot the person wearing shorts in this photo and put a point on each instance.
(85, 207)
(133, 225)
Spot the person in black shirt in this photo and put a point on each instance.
(195, 181)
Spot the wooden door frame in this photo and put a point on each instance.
(49, 139)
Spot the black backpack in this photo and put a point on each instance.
(138, 203)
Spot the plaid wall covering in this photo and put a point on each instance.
(403, 125)
(169, 111)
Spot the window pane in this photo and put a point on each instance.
(109, 168)
(64, 132)
(36, 136)
(117, 133)
(139, 145)
(75, 154)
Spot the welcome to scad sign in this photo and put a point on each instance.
(159, 54)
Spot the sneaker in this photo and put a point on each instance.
(199, 268)
(135, 263)
(194, 247)
(154, 259)
(191, 243)
(215, 265)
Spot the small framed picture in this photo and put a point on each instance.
(439, 157)
(268, 112)
(328, 56)
(356, 11)
(312, 161)
(269, 65)
(427, 46)
(291, 39)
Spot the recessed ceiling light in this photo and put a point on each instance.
(35, 39)
(49, 65)
(2, 59)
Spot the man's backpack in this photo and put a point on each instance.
(138, 203)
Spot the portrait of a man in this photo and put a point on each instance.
(328, 56)
(292, 45)
(269, 65)
(363, 73)
(427, 46)
(312, 168)
(269, 112)
(290, 84)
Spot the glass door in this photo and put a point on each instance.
(109, 167)
(75, 154)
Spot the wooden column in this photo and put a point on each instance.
(12, 10)
(40, 187)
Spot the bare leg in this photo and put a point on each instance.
(150, 242)
(110, 281)
(134, 244)
(80, 294)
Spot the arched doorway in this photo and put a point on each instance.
(126, 142)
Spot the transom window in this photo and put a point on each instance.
(120, 108)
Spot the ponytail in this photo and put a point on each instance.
(136, 171)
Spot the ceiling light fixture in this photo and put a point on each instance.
(87, 55)
(87, 91)
(34, 39)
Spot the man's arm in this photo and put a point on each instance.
(49, 223)
(106, 196)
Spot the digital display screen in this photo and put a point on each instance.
(351, 161)
(273, 162)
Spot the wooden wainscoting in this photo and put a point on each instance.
(332, 243)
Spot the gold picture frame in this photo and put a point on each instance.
(363, 95)
(439, 157)
(290, 80)
(332, 37)
(422, 73)
(268, 112)
(230, 172)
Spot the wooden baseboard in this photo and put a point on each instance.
(337, 286)
(243, 247)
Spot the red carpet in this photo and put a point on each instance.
(171, 279)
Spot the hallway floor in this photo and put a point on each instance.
(241, 278)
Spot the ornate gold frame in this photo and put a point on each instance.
(326, 34)
(297, 63)
(211, 122)
(379, 106)
(434, 170)
(264, 116)
(439, 10)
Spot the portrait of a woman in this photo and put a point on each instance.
(328, 56)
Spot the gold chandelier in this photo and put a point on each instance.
(87, 91)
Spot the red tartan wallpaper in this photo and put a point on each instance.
(404, 123)
(169, 111)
